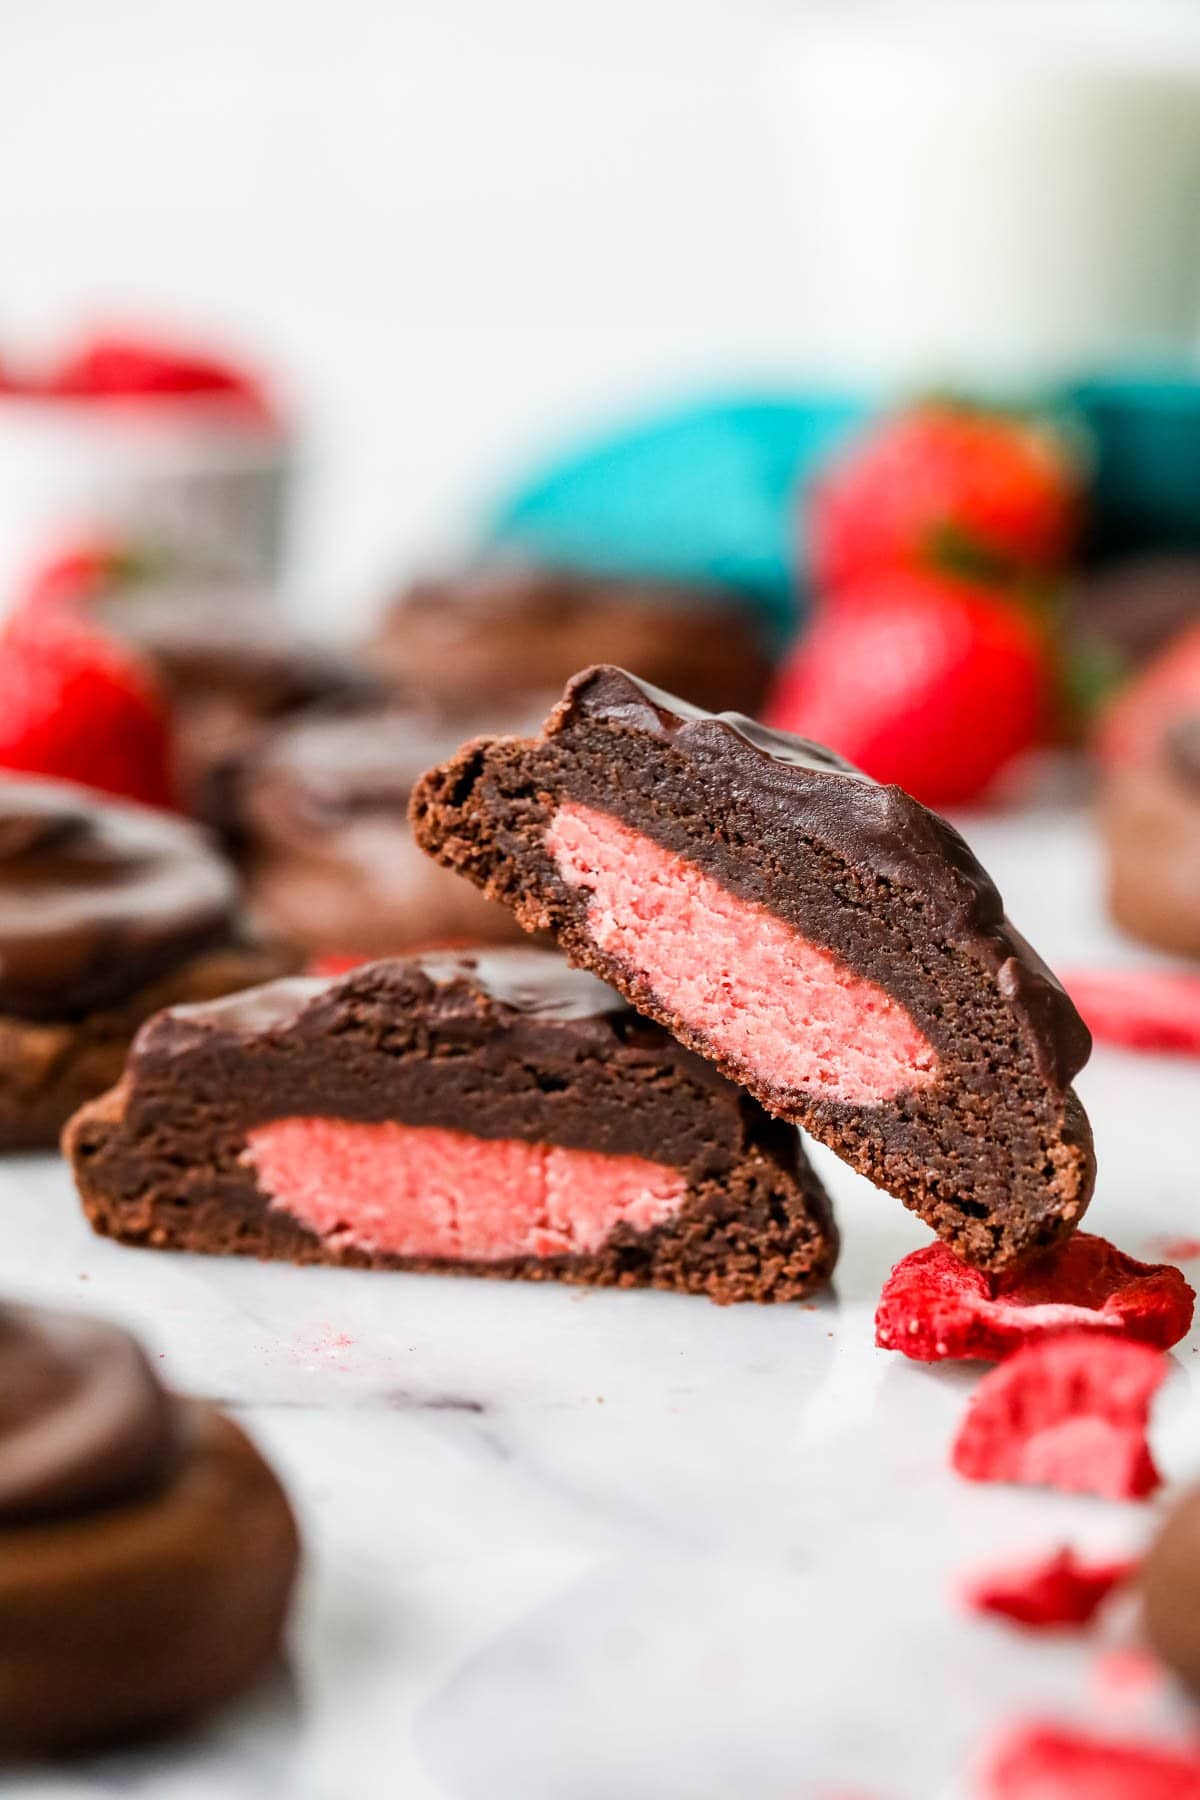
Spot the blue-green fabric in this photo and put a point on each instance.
(1145, 439)
(704, 492)
(710, 489)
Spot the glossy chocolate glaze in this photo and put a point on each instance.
(530, 985)
(83, 1420)
(803, 791)
(98, 898)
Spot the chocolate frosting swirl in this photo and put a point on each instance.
(83, 1420)
(98, 898)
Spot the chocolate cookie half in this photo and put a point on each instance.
(827, 942)
(107, 913)
(494, 1114)
(147, 1552)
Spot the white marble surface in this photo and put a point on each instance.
(586, 1546)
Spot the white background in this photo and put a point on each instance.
(460, 227)
(459, 230)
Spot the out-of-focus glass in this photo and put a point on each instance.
(989, 189)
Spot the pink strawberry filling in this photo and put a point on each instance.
(416, 1190)
(781, 1009)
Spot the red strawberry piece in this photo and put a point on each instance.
(934, 1307)
(1139, 1009)
(1070, 1413)
(945, 487)
(75, 705)
(1130, 730)
(1049, 1593)
(1054, 1762)
(119, 368)
(920, 680)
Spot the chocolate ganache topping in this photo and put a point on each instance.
(797, 791)
(99, 898)
(521, 985)
(84, 1422)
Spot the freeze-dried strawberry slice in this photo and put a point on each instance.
(1052, 1762)
(933, 1306)
(1140, 1009)
(1048, 1594)
(1069, 1413)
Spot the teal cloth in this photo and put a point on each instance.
(705, 492)
(709, 490)
(1145, 439)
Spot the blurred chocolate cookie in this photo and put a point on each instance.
(1125, 612)
(108, 912)
(1171, 1590)
(317, 812)
(474, 640)
(147, 1552)
(1149, 800)
(229, 662)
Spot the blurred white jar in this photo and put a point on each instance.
(984, 189)
(182, 475)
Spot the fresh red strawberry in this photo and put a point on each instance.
(1049, 1594)
(75, 705)
(117, 367)
(934, 1307)
(1130, 729)
(1139, 1009)
(1069, 1412)
(927, 682)
(945, 487)
(1058, 1762)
